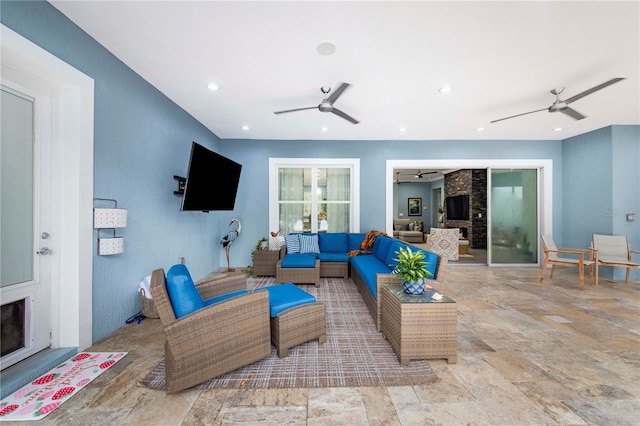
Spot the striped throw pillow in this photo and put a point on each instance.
(309, 244)
(292, 241)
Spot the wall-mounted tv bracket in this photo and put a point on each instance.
(181, 184)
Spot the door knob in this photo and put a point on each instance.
(44, 251)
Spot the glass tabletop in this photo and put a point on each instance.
(397, 292)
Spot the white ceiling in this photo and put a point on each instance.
(501, 58)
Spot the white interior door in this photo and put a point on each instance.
(26, 244)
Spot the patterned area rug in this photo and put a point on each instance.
(354, 355)
(39, 398)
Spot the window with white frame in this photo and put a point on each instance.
(314, 195)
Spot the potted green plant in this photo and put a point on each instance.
(412, 269)
(262, 244)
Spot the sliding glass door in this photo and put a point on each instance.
(513, 216)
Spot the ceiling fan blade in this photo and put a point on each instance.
(518, 115)
(335, 95)
(572, 113)
(593, 89)
(294, 110)
(339, 113)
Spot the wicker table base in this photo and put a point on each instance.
(417, 327)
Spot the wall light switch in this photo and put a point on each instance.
(400, 214)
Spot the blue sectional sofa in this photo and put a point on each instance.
(370, 271)
(332, 250)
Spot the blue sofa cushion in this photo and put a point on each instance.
(309, 243)
(298, 260)
(391, 253)
(333, 257)
(431, 260)
(183, 293)
(333, 242)
(367, 267)
(292, 241)
(381, 247)
(286, 296)
(355, 240)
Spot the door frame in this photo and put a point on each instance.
(545, 176)
(72, 105)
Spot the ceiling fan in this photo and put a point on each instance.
(327, 103)
(397, 181)
(563, 106)
(419, 174)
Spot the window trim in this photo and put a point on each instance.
(352, 163)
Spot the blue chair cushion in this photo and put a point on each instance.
(298, 260)
(333, 242)
(333, 257)
(286, 296)
(183, 293)
(217, 299)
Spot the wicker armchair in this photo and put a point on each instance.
(213, 340)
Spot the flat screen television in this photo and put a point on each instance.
(212, 181)
(458, 207)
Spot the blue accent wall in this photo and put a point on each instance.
(602, 175)
(141, 140)
(253, 197)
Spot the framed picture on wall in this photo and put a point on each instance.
(415, 206)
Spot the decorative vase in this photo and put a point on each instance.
(414, 287)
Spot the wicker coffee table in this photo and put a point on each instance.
(418, 327)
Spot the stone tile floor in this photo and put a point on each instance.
(528, 354)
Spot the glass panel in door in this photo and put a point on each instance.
(514, 216)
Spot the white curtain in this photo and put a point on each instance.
(290, 188)
(338, 189)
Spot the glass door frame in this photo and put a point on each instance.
(545, 184)
(490, 235)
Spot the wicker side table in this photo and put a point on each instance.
(264, 262)
(418, 327)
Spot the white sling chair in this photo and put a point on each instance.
(552, 257)
(613, 250)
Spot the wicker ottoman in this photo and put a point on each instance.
(296, 317)
(298, 269)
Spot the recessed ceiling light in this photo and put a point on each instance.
(213, 86)
(326, 48)
(557, 129)
(324, 129)
(480, 129)
(402, 129)
(245, 127)
(445, 89)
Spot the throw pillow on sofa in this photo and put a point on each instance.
(309, 243)
(292, 241)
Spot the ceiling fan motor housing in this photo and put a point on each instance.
(325, 107)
